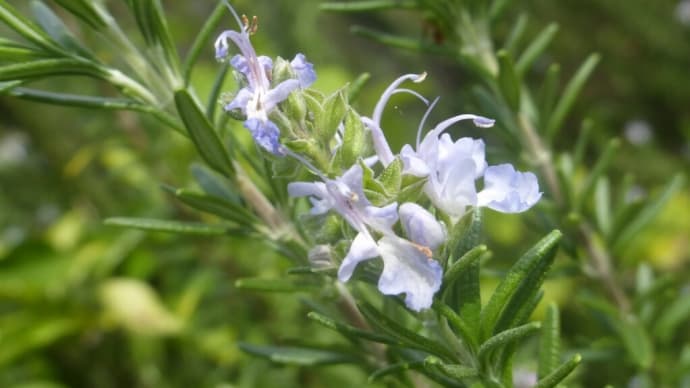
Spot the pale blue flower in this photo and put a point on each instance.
(507, 190)
(345, 196)
(257, 99)
(452, 167)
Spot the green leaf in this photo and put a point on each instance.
(278, 285)
(550, 342)
(636, 340)
(167, 226)
(395, 369)
(202, 40)
(597, 172)
(202, 133)
(217, 206)
(519, 286)
(154, 27)
(11, 51)
(351, 331)
(508, 80)
(570, 93)
(516, 34)
(50, 67)
(412, 44)
(85, 10)
(536, 48)
(548, 93)
(57, 29)
(454, 371)
(460, 326)
(650, 210)
(405, 335)
(76, 100)
(391, 178)
(602, 205)
(560, 373)
(355, 87)
(213, 183)
(367, 5)
(677, 313)
(464, 297)
(354, 139)
(458, 267)
(27, 29)
(505, 337)
(301, 356)
(334, 110)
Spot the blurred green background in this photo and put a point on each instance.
(87, 305)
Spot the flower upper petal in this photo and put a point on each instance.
(406, 269)
(304, 70)
(266, 134)
(363, 248)
(507, 190)
(421, 226)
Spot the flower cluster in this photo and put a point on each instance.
(260, 96)
(406, 236)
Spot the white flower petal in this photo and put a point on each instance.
(363, 248)
(507, 190)
(421, 226)
(407, 270)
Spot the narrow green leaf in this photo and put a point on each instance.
(560, 373)
(334, 110)
(98, 103)
(405, 335)
(167, 226)
(202, 40)
(636, 340)
(57, 30)
(536, 48)
(351, 331)
(391, 177)
(458, 267)
(302, 356)
(650, 210)
(395, 369)
(11, 51)
(213, 183)
(505, 337)
(457, 322)
(202, 133)
(548, 93)
(399, 42)
(519, 286)
(84, 10)
(516, 34)
(367, 5)
(602, 205)
(50, 67)
(27, 29)
(216, 89)
(550, 342)
(508, 80)
(277, 285)
(464, 297)
(672, 317)
(355, 87)
(497, 8)
(354, 139)
(582, 141)
(597, 172)
(570, 93)
(454, 371)
(217, 206)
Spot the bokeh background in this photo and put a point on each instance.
(87, 305)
